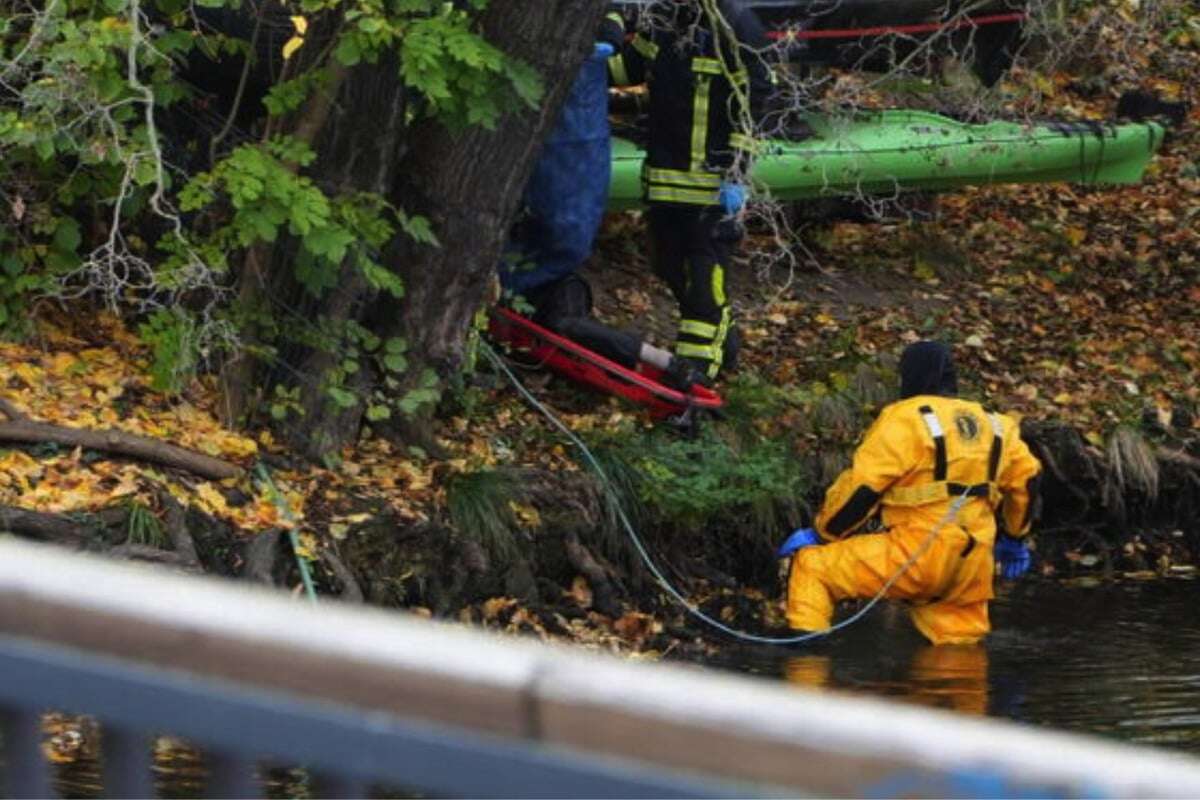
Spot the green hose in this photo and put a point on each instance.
(277, 499)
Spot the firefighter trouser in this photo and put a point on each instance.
(949, 583)
(690, 248)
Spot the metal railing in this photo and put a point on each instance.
(362, 697)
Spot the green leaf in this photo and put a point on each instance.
(375, 413)
(395, 362)
(66, 235)
(341, 397)
(347, 51)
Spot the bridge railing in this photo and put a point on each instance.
(361, 697)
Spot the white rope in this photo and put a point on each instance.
(658, 575)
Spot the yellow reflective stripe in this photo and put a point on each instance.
(679, 177)
(615, 16)
(644, 46)
(708, 352)
(700, 123)
(743, 142)
(616, 67)
(718, 284)
(671, 194)
(921, 495)
(927, 493)
(710, 66)
(695, 327)
(722, 331)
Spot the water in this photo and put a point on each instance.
(1121, 660)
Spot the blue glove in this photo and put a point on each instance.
(603, 50)
(1012, 555)
(732, 197)
(800, 538)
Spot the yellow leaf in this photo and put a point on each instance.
(1045, 85)
(212, 500)
(306, 546)
(1075, 235)
(492, 607)
(62, 363)
(293, 44)
(301, 25)
(580, 592)
(1062, 398)
(31, 375)
(527, 516)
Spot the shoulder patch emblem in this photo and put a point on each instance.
(967, 425)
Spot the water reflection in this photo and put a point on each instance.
(1120, 660)
(953, 677)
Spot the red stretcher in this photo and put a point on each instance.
(571, 360)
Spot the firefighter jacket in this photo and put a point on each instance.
(920, 455)
(707, 81)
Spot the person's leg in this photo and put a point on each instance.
(949, 623)
(859, 567)
(960, 615)
(667, 233)
(565, 307)
(706, 321)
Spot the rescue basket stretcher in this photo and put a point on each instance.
(572, 360)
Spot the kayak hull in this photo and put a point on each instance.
(889, 152)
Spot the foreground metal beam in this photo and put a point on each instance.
(365, 666)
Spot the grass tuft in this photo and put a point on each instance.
(479, 507)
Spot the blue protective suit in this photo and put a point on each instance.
(566, 196)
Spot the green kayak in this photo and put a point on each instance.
(881, 153)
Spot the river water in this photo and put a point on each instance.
(1120, 660)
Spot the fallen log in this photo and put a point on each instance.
(45, 527)
(22, 430)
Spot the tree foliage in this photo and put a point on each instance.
(122, 182)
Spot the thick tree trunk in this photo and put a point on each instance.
(469, 184)
(359, 150)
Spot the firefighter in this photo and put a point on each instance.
(702, 62)
(927, 454)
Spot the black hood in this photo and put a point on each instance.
(927, 368)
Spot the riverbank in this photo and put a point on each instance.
(1071, 307)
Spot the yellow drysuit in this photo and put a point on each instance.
(919, 456)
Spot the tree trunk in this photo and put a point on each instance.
(358, 151)
(469, 185)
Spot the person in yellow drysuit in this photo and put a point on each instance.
(922, 454)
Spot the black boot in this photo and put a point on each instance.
(684, 373)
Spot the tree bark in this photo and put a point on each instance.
(469, 184)
(466, 183)
(358, 151)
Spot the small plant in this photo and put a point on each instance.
(480, 507)
(144, 527)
